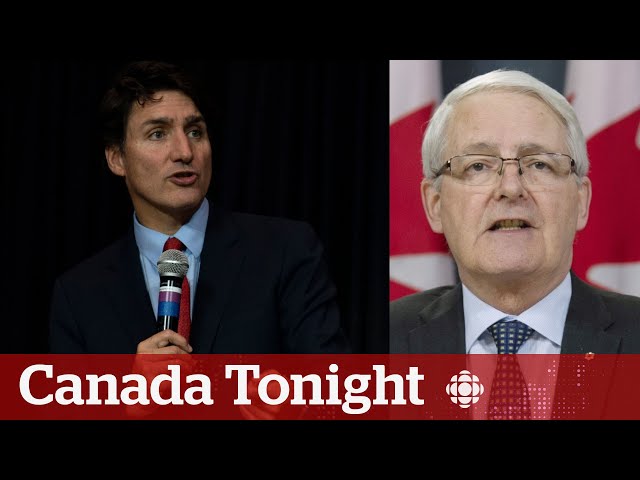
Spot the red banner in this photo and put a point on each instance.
(318, 387)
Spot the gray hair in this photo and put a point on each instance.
(435, 139)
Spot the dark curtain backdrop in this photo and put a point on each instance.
(306, 140)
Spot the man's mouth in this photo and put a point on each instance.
(510, 224)
(184, 179)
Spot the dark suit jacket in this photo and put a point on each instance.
(263, 287)
(598, 321)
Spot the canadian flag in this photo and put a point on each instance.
(606, 97)
(419, 258)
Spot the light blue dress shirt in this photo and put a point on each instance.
(547, 318)
(150, 243)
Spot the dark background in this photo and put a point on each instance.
(455, 72)
(300, 139)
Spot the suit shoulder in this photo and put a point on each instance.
(404, 316)
(264, 226)
(419, 299)
(409, 306)
(266, 221)
(86, 269)
(619, 302)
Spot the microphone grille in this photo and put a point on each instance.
(173, 262)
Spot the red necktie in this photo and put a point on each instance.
(184, 322)
(509, 399)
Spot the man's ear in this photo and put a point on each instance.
(115, 160)
(584, 200)
(431, 204)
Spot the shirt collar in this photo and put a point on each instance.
(151, 242)
(547, 317)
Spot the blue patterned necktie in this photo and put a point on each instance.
(509, 399)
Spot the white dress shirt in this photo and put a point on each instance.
(547, 318)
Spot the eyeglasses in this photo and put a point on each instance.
(536, 169)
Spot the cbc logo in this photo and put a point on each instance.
(464, 389)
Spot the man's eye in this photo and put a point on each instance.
(540, 166)
(195, 133)
(157, 134)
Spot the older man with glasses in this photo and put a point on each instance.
(505, 180)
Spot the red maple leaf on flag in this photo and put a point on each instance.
(606, 97)
(419, 258)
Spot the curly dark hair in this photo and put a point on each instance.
(138, 82)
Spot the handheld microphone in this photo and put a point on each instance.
(172, 267)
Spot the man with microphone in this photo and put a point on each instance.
(253, 284)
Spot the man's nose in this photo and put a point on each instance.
(181, 148)
(510, 183)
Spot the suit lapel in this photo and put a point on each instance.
(442, 329)
(584, 332)
(219, 268)
(127, 291)
(587, 321)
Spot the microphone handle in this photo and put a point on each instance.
(169, 303)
